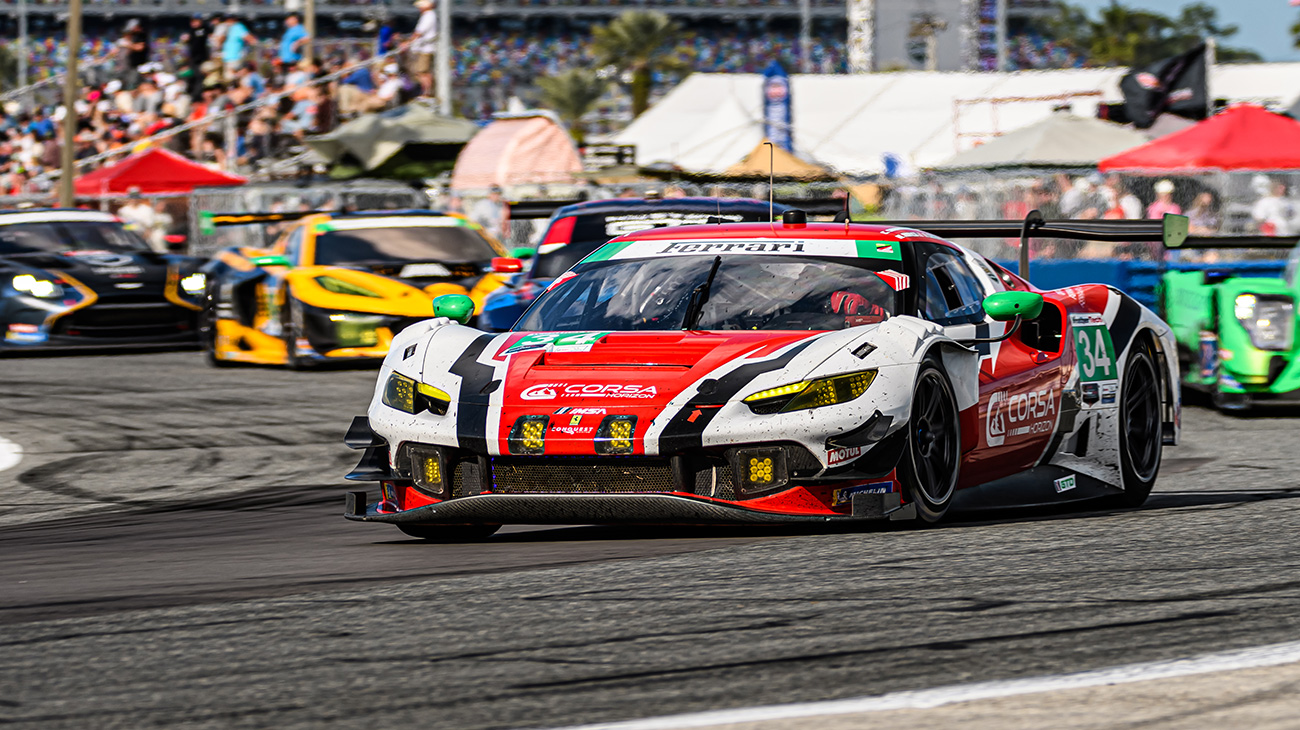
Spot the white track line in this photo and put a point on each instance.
(10, 454)
(1262, 656)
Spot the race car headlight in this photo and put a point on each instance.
(811, 393)
(39, 288)
(356, 330)
(614, 436)
(194, 284)
(1269, 320)
(409, 396)
(428, 470)
(528, 436)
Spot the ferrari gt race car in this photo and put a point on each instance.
(80, 279)
(773, 372)
(339, 286)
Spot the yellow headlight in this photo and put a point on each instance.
(812, 394)
(399, 393)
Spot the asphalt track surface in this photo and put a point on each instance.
(172, 552)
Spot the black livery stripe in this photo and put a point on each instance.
(682, 434)
(1070, 409)
(471, 421)
(1126, 323)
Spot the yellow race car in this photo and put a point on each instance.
(337, 286)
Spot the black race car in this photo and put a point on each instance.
(79, 278)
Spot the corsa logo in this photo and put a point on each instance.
(1019, 414)
(551, 391)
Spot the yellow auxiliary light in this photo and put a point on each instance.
(615, 435)
(528, 436)
(760, 471)
(812, 394)
(427, 469)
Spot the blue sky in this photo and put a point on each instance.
(1265, 25)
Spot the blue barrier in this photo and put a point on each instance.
(1138, 279)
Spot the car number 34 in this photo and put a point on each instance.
(1096, 353)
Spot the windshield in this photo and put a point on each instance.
(384, 245)
(747, 293)
(60, 236)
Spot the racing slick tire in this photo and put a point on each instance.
(932, 460)
(290, 322)
(1141, 442)
(450, 533)
(208, 330)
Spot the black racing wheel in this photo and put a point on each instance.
(291, 327)
(1141, 436)
(450, 533)
(208, 329)
(932, 461)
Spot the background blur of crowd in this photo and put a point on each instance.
(1226, 204)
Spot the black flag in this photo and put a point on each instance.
(1177, 85)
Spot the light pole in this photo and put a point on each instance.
(443, 81)
(70, 89)
(22, 44)
(309, 24)
(1001, 21)
(805, 36)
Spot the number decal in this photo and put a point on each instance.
(1096, 353)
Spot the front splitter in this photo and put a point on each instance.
(605, 509)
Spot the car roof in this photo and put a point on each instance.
(687, 205)
(54, 215)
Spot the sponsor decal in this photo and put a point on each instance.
(134, 285)
(574, 430)
(580, 411)
(734, 247)
(556, 342)
(844, 496)
(895, 280)
(840, 456)
(408, 352)
(103, 259)
(1019, 414)
(1064, 484)
(417, 270)
(1209, 350)
(25, 333)
(617, 225)
(1088, 319)
(1091, 393)
(551, 391)
(904, 233)
(1109, 391)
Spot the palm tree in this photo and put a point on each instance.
(572, 94)
(638, 43)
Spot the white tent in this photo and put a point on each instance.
(850, 122)
(1059, 141)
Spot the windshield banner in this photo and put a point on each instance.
(770, 247)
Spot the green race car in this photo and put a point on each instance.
(1236, 333)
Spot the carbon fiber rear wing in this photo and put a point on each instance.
(539, 209)
(1172, 232)
(246, 219)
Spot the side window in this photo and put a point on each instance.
(950, 293)
(1292, 263)
(293, 246)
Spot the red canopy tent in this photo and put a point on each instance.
(155, 172)
(1244, 137)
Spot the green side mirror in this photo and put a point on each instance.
(522, 253)
(271, 260)
(1005, 306)
(454, 306)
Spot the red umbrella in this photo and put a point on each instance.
(155, 172)
(1244, 137)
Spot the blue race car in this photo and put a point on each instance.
(575, 231)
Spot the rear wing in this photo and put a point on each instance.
(540, 209)
(1172, 232)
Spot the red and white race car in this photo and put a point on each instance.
(783, 372)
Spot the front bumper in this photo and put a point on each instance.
(605, 509)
